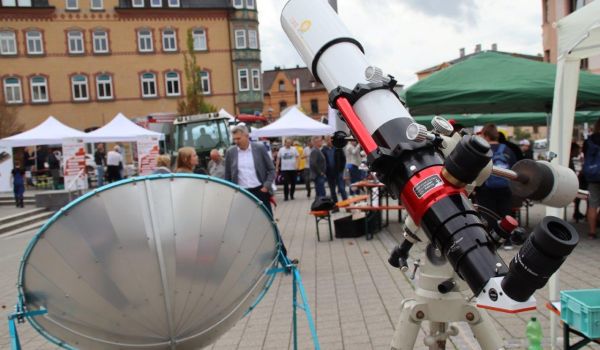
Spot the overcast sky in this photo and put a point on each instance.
(405, 36)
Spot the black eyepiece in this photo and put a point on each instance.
(467, 159)
(541, 255)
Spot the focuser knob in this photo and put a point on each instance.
(418, 133)
(442, 126)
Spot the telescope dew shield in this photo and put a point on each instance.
(322, 39)
(153, 262)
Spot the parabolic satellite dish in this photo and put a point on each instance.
(157, 262)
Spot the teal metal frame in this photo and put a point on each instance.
(286, 266)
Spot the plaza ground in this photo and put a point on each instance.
(354, 294)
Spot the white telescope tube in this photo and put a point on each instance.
(336, 58)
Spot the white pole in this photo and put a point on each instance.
(298, 101)
(561, 132)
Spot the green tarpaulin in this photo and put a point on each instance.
(493, 82)
(469, 120)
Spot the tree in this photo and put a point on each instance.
(193, 103)
(8, 122)
(521, 134)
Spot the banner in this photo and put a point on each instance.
(74, 164)
(147, 148)
(6, 166)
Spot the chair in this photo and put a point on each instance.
(319, 216)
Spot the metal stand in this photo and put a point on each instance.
(19, 316)
(440, 309)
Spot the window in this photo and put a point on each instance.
(39, 89)
(24, 3)
(156, 3)
(100, 39)
(174, 3)
(169, 40)
(75, 39)
(72, 4)
(9, 3)
(243, 80)
(314, 106)
(34, 42)
(97, 4)
(252, 39)
(240, 39)
(575, 5)
(281, 85)
(12, 90)
(104, 90)
(145, 41)
(256, 79)
(199, 38)
(250, 4)
(137, 3)
(148, 85)
(238, 4)
(205, 82)
(282, 105)
(79, 88)
(172, 84)
(8, 43)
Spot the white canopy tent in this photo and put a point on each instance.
(120, 129)
(224, 113)
(578, 38)
(293, 123)
(49, 132)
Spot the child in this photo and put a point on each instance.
(17, 178)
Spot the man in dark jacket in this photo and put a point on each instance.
(336, 163)
(318, 166)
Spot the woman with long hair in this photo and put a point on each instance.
(187, 160)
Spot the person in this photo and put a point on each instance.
(318, 166)
(513, 147)
(114, 164)
(40, 160)
(216, 165)
(495, 193)
(163, 164)
(306, 175)
(17, 178)
(100, 160)
(575, 154)
(336, 163)
(54, 167)
(526, 150)
(248, 165)
(28, 163)
(187, 160)
(286, 164)
(300, 162)
(353, 161)
(205, 140)
(592, 159)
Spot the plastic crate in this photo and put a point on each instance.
(580, 309)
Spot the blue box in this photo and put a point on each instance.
(580, 309)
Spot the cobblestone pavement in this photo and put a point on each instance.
(354, 294)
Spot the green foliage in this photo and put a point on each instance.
(521, 134)
(193, 102)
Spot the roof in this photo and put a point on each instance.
(460, 59)
(307, 81)
(192, 4)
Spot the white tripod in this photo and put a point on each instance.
(440, 310)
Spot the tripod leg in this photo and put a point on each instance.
(437, 340)
(407, 328)
(485, 332)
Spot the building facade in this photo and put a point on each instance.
(83, 61)
(552, 11)
(280, 92)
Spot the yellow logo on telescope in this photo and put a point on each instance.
(305, 25)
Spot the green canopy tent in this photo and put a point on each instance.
(513, 119)
(494, 82)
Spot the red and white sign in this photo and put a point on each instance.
(147, 148)
(74, 164)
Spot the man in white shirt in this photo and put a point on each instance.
(248, 165)
(114, 163)
(287, 158)
(353, 161)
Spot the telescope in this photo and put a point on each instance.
(432, 172)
